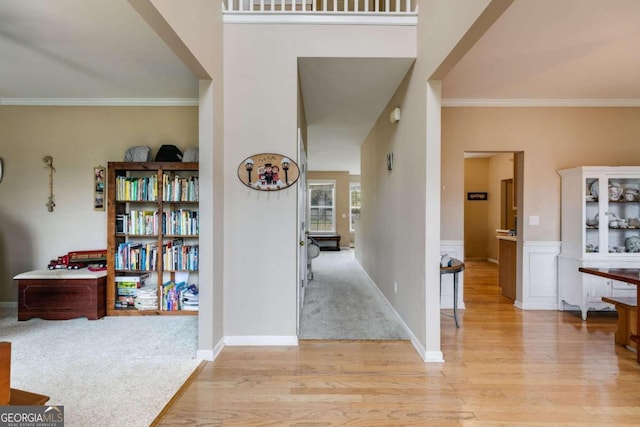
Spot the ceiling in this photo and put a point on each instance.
(88, 49)
(544, 51)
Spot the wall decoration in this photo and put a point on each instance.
(48, 161)
(98, 188)
(477, 196)
(268, 172)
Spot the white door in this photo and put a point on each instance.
(302, 225)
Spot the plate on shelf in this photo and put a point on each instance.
(594, 189)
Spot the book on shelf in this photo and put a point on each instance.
(146, 298)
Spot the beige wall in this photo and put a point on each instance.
(476, 212)
(78, 138)
(342, 201)
(551, 138)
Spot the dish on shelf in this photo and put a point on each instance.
(615, 191)
(630, 194)
(632, 244)
(594, 189)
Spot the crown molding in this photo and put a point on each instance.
(452, 102)
(102, 102)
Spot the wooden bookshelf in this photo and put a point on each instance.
(152, 230)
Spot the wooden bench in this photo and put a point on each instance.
(627, 327)
(326, 241)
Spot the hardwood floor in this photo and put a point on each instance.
(503, 366)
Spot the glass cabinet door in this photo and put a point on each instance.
(623, 222)
(592, 216)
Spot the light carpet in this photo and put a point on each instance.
(341, 302)
(116, 371)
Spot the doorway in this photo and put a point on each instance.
(499, 175)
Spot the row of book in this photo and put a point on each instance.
(180, 257)
(137, 188)
(177, 188)
(132, 292)
(143, 256)
(141, 222)
(179, 296)
(127, 289)
(174, 188)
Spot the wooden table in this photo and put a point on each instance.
(627, 275)
(62, 294)
(456, 267)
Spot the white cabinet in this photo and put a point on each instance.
(600, 229)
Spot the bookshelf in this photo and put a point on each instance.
(152, 237)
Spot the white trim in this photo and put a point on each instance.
(210, 354)
(324, 18)
(8, 304)
(452, 102)
(433, 357)
(261, 340)
(103, 102)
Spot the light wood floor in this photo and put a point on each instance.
(503, 366)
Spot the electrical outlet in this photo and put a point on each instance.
(534, 220)
(395, 287)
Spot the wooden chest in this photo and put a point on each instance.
(61, 294)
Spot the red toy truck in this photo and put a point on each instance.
(80, 259)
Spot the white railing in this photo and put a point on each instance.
(321, 6)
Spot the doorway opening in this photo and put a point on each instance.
(492, 231)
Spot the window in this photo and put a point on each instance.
(355, 204)
(321, 206)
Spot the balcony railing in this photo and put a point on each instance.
(387, 7)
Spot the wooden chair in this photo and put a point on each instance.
(11, 396)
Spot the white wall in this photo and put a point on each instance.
(260, 71)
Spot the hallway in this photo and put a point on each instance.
(341, 303)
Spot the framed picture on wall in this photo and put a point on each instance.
(98, 188)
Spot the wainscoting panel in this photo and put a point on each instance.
(455, 249)
(540, 275)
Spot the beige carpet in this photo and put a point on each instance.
(116, 371)
(341, 302)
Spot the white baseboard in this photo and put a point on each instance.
(210, 354)
(261, 340)
(8, 304)
(433, 357)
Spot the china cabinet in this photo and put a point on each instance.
(600, 229)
